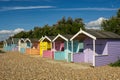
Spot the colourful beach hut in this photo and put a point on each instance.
(15, 44)
(11, 44)
(44, 45)
(7, 45)
(32, 46)
(22, 45)
(95, 47)
(41, 46)
(28, 45)
(62, 47)
(49, 52)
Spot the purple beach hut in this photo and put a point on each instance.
(95, 47)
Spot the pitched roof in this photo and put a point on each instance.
(63, 37)
(103, 34)
(68, 36)
(34, 40)
(9, 41)
(48, 38)
(51, 37)
(21, 40)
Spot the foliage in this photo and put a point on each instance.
(63, 26)
(116, 64)
(2, 51)
(113, 24)
(1, 44)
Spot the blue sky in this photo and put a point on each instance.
(25, 14)
(51, 11)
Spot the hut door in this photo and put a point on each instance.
(28, 44)
(81, 46)
(89, 54)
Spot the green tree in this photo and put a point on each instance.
(118, 13)
(63, 26)
(69, 20)
(113, 24)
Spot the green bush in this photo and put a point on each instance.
(115, 64)
(1, 46)
(2, 51)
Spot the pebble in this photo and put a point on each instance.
(16, 66)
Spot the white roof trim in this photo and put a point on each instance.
(61, 37)
(83, 32)
(12, 40)
(41, 38)
(28, 40)
(46, 38)
(4, 42)
(21, 40)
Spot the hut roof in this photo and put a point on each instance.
(68, 36)
(51, 37)
(103, 34)
(34, 40)
(94, 34)
(9, 41)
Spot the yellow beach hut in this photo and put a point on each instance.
(48, 53)
(41, 46)
(45, 44)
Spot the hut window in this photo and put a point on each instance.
(62, 49)
(12, 42)
(81, 46)
(99, 48)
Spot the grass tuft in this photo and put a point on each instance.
(115, 64)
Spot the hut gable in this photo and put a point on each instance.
(64, 37)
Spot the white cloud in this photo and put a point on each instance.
(26, 7)
(18, 30)
(88, 9)
(11, 31)
(96, 24)
(46, 7)
(4, 34)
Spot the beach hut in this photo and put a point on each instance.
(22, 45)
(62, 47)
(95, 47)
(32, 46)
(7, 45)
(49, 52)
(11, 44)
(15, 44)
(28, 45)
(42, 46)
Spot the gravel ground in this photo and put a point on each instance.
(16, 66)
